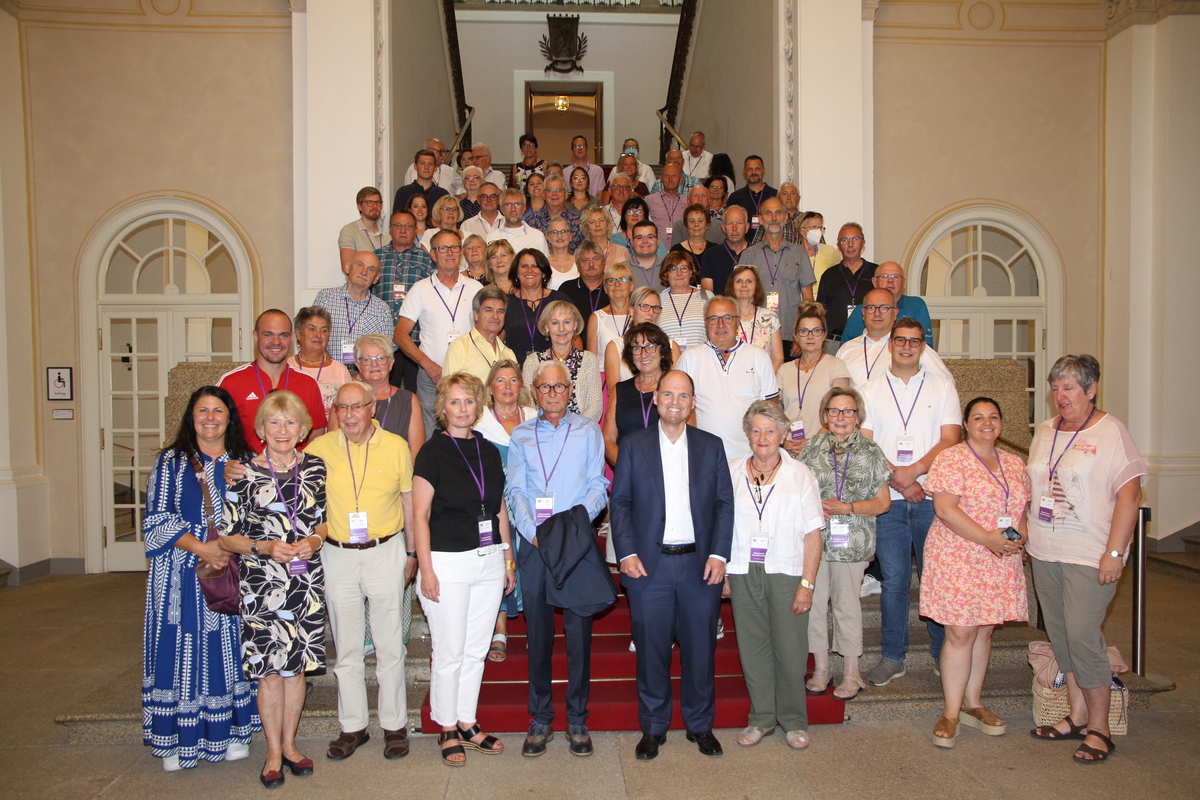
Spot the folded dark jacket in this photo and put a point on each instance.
(581, 580)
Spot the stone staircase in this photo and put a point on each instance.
(1185, 565)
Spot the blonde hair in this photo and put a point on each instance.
(374, 340)
(559, 307)
(286, 403)
(524, 398)
(468, 382)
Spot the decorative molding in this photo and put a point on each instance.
(1122, 14)
(298, 6)
(789, 69)
(383, 158)
(1173, 466)
(869, 7)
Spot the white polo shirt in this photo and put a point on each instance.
(519, 238)
(480, 226)
(697, 166)
(724, 390)
(444, 314)
(865, 358)
(928, 401)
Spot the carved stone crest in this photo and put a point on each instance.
(564, 46)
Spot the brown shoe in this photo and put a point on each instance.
(345, 745)
(395, 743)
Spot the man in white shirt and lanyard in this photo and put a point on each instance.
(697, 162)
(867, 355)
(489, 218)
(518, 234)
(912, 414)
(729, 375)
(442, 305)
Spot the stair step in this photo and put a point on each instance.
(4, 573)
(1010, 647)
(1178, 565)
(1191, 544)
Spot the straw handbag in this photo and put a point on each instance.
(1050, 702)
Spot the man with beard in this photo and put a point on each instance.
(784, 270)
(364, 233)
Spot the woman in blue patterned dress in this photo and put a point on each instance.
(196, 704)
(275, 519)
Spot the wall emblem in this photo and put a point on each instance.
(564, 46)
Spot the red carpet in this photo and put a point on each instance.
(503, 700)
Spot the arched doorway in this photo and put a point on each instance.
(162, 280)
(993, 282)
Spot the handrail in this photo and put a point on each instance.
(1013, 445)
(679, 64)
(1137, 559)
(462, 132)
(670, 128)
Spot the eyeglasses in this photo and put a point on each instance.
(809, 331)
(649, 308)
(613, 281)
(849, 239)
(841, 413)
(812, 228)
(483, 196)
(551, 388)
(643, 348)
(372, 202)
(726, 319)
(512, 205)
(911, 341)
(559, 233)
(889, 277)
(649, 237)
(355, 407)
(379, 359)
(679, 268)
(880, 309)
(635, 212)
(403, 227)
(448, 248)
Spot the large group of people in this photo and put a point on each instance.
(515, 360)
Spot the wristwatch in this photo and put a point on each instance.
(1116, 553)
(413, 554)
(254, 549)
(807, 584)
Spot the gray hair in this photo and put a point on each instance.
(769, 409)
(470, 167)
(545, 366)
(1084, 368)
(374, 340)
(489, 292)
(843, 391)
(718, 298)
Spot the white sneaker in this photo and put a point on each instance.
(171, 763)
(236, 752)
(632, 646)
(720, 628)
(870, 586)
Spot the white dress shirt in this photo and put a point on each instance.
(865, 358)
(697, 166)
(480, 226)
(520, 237)
(677, 500)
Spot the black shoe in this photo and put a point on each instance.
(647, 748)
(708, 744)
(535, 740)
(579, 740)
(271, 780)
(301, 769)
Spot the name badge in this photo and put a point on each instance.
(839, 532)
(485, 532)
(754, 223)
(358, 527)
(905, 446)
(681, 344)
(798, 430)
(452, 335)
(1046, 508)
(399, 291)
(1004, 522)
(297, 567)
(347, 351)
(543, 507)
(773, 301)
(758, 549)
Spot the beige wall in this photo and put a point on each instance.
(422, 95)
(114, 113)
(733, 68)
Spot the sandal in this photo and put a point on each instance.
(752, 735)
(797, 740)
(1096, 756)
(395, 744)
(818, 683)
(490, 744)
(982, 720)
(345, 745)
(498, 651)
(1050, 732)
(949, 726)
(453, 750)
(849, 688)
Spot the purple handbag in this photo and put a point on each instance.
(220, 586)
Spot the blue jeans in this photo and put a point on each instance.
(898, 534)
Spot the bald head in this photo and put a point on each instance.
(698, 194)
(879, 312)
(889, 275)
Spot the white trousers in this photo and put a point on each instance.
(460, 629)
(377, 575)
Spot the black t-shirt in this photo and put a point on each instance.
(839, 287)
(455, 511)
(432, 195)
(520, 324)
(717, 262)
(751, 201)
(585, 299)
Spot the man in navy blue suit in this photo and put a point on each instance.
(676, 480)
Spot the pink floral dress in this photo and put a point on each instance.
(964, 583)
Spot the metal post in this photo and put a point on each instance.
(1138, 562)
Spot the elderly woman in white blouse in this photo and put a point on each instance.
(771, 574)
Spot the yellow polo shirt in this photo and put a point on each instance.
(383, 468)
(472, 353)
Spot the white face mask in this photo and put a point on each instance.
(813, 236)
(631, 151)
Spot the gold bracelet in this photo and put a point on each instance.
(510, 565)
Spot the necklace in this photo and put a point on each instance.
(310, 365)
(277, 465)
(506, 416)
(762, 474)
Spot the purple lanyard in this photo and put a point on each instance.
(292, 507)
(595, 303)
(675, 309)
(871, 366)
(481, 480)
(477, 347)
(646, 408)
(760, 509)
(1057, 428)
(625, 327)
(753, 325)
(800, 394)
(911, 408)
(530, 327)
(364, 310)
(1002, 480)
(646, 272)
(756, 200)
(675, 205)
(386, 414)
(839, 484)
(433, 280)
(725, 364)
(354, 484)
(732, 255)
(853, 290)
(553, 469)
(773, 272)
(287, 377)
